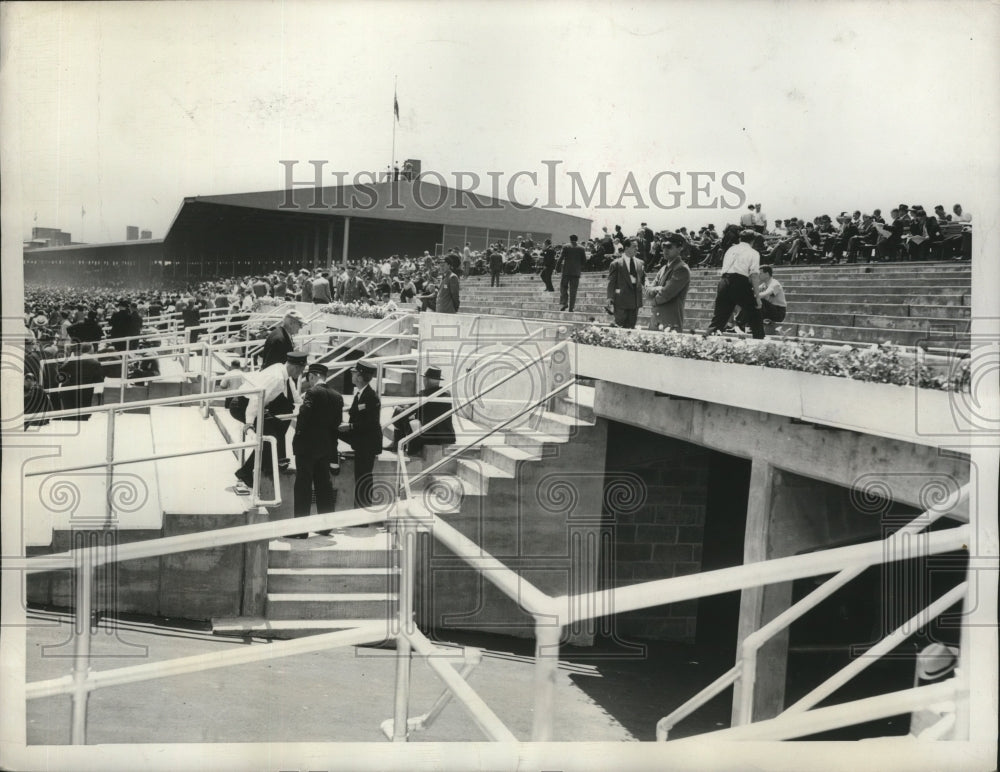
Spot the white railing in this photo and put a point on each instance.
(743, 674)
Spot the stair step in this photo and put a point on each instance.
(331, 558)
(533, 441)
(507, 457)
(291, 628)
(479, 473)
(319, 605)
(331, 580)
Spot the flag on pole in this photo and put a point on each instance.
(395, 106)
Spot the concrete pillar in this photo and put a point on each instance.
(759, 605)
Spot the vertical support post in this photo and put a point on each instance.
(329, 246)
(109, 458)
(258, 452)
(81, 646)
(547, 636)
(347, 238)
(123, 374)
(406, 539)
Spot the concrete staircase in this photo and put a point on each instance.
(324, 584)
(906, 303)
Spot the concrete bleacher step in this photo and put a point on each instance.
(331, 558)
(508, 457)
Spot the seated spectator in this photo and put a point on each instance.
(864, 239)
(940, 215)
(960, 214)
(772, 296)
(925, 233)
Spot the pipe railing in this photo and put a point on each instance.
(743, 673)
(110, 462)
(401, 447)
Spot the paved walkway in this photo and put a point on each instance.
(341, 695)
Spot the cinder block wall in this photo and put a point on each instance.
(654, 504)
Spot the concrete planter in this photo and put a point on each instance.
(346, 323)
(921, 416)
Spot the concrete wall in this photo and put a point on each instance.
(545, 524)
(196, 585)
(655, 495)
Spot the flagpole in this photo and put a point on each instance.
(395, 120)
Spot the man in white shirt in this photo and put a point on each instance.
(759, 219)
(279, 382)
(738, 286)
(960, 215)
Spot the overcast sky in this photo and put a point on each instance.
(123, 109)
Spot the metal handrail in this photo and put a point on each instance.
(451, 384)
(401, 447)
(743, 672)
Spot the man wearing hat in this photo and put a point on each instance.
(670, 287)
(738, 286)
(280, 397)
(363, 431)
(626, 279)
(279, 343)
(315, 443)
(442, 433)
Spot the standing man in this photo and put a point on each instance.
(467, 260)
(448, 299)
(495, 261)
(315, 444)
(351, 289)
(738, 286)
(363, 431)
(548, 265)
(571, 261)
(626, 278)
(646, 234)
(670, 287)
(121, 326)
(279, 343)
(280, 396)
(759, 219)
(747, 218)
(321, 292)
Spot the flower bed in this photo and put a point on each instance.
(884, 363)
(359, 310)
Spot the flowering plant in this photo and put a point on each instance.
(362, 310)
(876, 363)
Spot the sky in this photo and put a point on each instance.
(114, 112)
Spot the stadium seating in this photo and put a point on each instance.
(905, 303)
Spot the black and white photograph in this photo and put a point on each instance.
(567, 385)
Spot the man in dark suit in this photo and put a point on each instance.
(924, 234)
(571, 261)
(121, 326)
(363, 431)
(495, 261)
(440, 434)
(83, 370)
(548, 265)
(670, 287)
(626, 278)
(646, 244)
(279, 343)
(317, 432)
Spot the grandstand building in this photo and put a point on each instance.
(305, 226)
